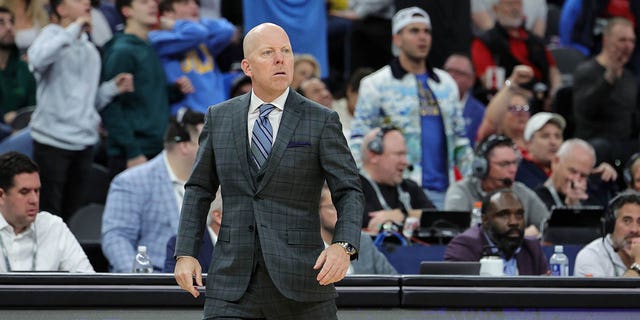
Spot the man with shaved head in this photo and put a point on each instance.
(270, 151)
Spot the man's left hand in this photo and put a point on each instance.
(334, 262)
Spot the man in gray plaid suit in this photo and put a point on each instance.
(270, 151)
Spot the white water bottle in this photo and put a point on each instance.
(559, 263)
(141, 263)
(476, 213)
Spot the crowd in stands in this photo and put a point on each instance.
(525, 106)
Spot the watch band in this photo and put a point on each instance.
(348, 248)
(635, 267)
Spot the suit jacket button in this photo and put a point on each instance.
(251, 228)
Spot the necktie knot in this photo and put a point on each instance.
(265, 109)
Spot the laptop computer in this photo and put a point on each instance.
(450, 267)
(436, 223)
(574, 225)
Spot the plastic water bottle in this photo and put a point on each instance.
(476, 213)
(559, 263)
(142, 264)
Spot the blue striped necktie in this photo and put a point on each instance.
(262, 135)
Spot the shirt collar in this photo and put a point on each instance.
(172, 175)
(278, 102)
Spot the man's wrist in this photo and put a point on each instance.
(348, 248)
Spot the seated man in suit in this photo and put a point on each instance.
(370, 259)
(387, 195)
(214, 220)
(143, 204)
(617, 254)
(500, 233)
(570, 169)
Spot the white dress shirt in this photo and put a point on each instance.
(56, 247)
(274, 116)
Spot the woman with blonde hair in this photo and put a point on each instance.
(30, 17)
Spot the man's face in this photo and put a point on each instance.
(627, 227)
(461, 71)
(186, 10)
(391, 163)
(503, 164)
(504, 222)
(191, 147)
(635, 175)
(144, 12)
(303, 70)
(414, 41)
(620, 43)
(545, 143)
(7, 36)
(20, 204)
(509, 13)
(317, 91)
(269, 61)
(573, 168)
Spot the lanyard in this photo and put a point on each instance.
(35, 252)
(403, 196)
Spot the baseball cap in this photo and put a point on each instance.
(407, 16)
(539, 120)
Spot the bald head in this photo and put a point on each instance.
(253, 36)
(268, 61)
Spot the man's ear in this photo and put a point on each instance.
(246, 67)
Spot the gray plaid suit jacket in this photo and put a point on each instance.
(281, 205)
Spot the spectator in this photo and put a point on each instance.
(370, 259)
(507, 45)
(387, 195)
(17, 85)
(136, 121)
(535, 14)
(32, 240)
(143, 204)
(31, 16)
(188, 46)
(305, 66)
(316, 90)
(239, 86)
(618, 253)
(461, 70)
(420, 101)
(632, 172)
(567, 184)
(604, 96)
(543, 137)
(64, 126)
(214, 220)
(500, 233)
(494, 167)
(346, 107)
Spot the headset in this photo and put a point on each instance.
(627, 173)
(177, 130)
(480, 164)
(375, 145)
(616, 203)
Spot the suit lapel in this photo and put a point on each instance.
(290, 119)
(239, 128)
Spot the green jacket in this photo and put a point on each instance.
(17, 84)
(135, 121)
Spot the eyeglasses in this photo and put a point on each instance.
(522, 108)
(507, 163)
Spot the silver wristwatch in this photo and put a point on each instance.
(348, 248)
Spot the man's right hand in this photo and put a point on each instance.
(85, 23)
(186, 268)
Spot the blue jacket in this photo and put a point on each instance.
(189, 49)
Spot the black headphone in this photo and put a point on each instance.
(375, 145)
(616, 203)
(627, 173)
(480, 164)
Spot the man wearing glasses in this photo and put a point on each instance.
(493, 168)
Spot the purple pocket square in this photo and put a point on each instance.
(298, 144)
